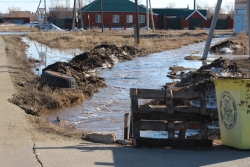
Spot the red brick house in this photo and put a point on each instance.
(116, 14)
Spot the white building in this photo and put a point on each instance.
(240, 18)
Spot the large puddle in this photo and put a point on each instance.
(46, 55)
(104, 112)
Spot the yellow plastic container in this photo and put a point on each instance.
(233, 103)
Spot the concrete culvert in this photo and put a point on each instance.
(57, 79)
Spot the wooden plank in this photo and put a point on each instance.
(202, 103)
(173, 117)
(151, 142)
(182, 134)
(163, 126)
(160, 94)
(203, 112)
(179, 109)
(151, 94)
(130, 126)
(169, 102)
(186, 109)
(126, 120)
(136, 130)
(185, 95)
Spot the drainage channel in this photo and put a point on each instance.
(104, 112)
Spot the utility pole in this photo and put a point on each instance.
(101, 14)
(194, 4)
(80, 6)
(74, 15)
(2, 17)
(248, 17)
(147, 16)
(152, 19)
(137, 32)
(35, 15)
(46, 29)
(211, 31)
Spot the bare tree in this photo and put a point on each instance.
(60, 11)
(225, 10)
(229, 9)
(14, 11)
(171, 5)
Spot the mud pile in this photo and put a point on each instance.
(202, 79)
(102, 56)
(229, 47)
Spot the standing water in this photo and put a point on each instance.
(46, 55)
(104, 112)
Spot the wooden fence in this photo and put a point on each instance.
(168, 118)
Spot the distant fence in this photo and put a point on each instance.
(192, 23)
(65, 23)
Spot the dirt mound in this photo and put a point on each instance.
(229, 46)
(103, 56)
(192, 58)
(201, 79)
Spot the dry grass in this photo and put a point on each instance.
(14, 28)
(86, 40)
(47, 127)
(31, 95)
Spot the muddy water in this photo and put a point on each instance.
(105, 111)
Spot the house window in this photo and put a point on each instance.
(129, 19)
(116, 18)
(141, 19)
(98, 18)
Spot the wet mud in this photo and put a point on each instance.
(229, 46)
(201, 80)
(82, 66)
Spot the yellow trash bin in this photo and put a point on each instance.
(233, 103)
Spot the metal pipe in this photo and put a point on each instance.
(211, 31)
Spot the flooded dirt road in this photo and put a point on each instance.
(105, 110)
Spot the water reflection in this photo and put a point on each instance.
(45, 55)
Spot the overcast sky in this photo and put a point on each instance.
(31, 5)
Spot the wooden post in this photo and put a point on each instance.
(137, 38)
(135, 121)
(126, 119)
(165, 22)
(80, 6)
(169, 103)
(203, 112)
(152, 19)
(74, 15)
(101, 14)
